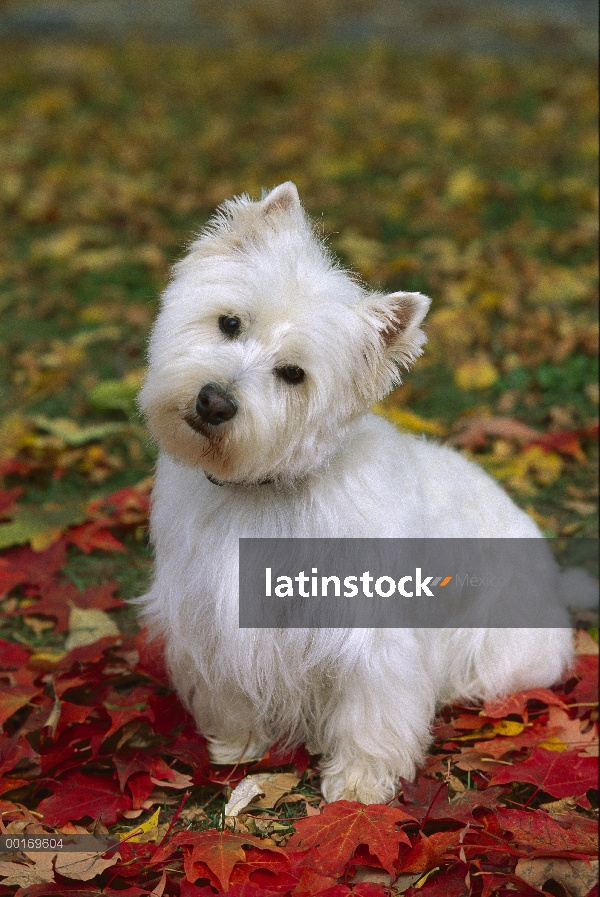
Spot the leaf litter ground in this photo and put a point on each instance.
(473, 180)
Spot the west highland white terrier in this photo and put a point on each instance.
(264, 361)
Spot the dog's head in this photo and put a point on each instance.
(265, 349)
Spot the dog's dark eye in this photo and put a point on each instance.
(229, 325)
(291, 374)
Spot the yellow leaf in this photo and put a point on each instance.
(476, 374)
(146, 831)
(505, 727)
(60, 246)
(362, 252)
(553, 744)
(546, 467)
(407, 420)
(464, 187)
(557, 285)
(508, 727)
(45, 660)
(88, 625)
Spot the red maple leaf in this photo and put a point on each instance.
(428, 852)
(124, 708)
(94, 535)
(130, 767)
(38, 567)
(88, 654)
(8, 499)
(566, 442)
(333, 837)
(12, 751)
(586, 688)
(310, 882)
(77, 795)
(12, 655)
(264, 868)
(499, 884)
(13, 698)
(210, 854)
(151, 657)
(101, 597)
(517, 703)
(538, 830)
(141, 787)
(71, 713)
(55, 602)
(9, 576)
(560, 774)
(193, 751)
(278, 755)
(504, 744)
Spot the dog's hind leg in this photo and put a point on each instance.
(484, 664)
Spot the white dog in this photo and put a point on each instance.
(264, 361)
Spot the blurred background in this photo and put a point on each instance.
(447, 147)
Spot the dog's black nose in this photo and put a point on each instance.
(214, 406)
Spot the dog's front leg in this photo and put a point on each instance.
(378, 728)
(229, 723)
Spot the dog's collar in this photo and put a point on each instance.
(216, 482)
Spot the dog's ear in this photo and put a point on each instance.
(283, 198)
(396, 319)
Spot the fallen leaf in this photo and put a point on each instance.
(35, 869)
(145, 831)
(428, 852)
(78, 795)
(475, 374)
(333, 836)
(74, 434)
(517, 703)
(13, 698)
(560, 774)
(88, 625)
(568, 732)
(537, 830)
(117, 395)
(83, 865)
(41, 526)
(242, 795)
(409, 421)
(275, 786)
(474, 432)
(576, 876)
(585, 644)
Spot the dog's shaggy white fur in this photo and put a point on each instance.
(264, 361)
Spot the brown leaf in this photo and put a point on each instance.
(274, 786)
(576, 876)
(83, 866)
(37, 869)
(475, 432)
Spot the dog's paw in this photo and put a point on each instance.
(228, 753)
(356, 786)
